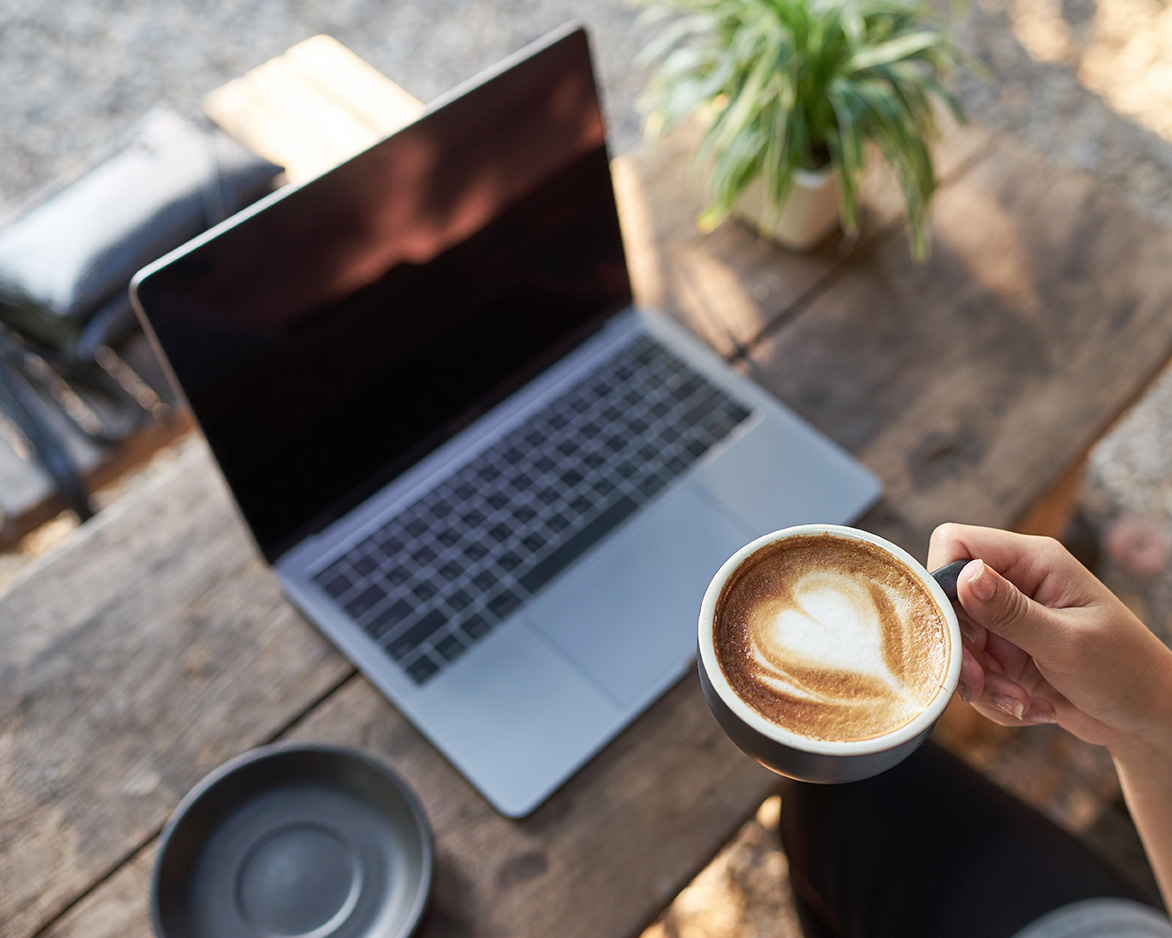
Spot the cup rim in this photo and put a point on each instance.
(715, 674)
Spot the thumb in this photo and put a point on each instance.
(992, 601)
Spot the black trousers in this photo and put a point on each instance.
(930, 849)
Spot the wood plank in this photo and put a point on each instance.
(249, 120)
(971, 384)
(729, 286)
(353, 84)
(156, 645)
(150, 648)
(496, 876)
(311, 108)
(92, 769)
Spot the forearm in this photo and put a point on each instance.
(1145, 774)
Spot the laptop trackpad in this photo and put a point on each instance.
(626, 614)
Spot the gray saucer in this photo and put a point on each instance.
(306, 841)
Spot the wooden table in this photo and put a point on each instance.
(154, 644)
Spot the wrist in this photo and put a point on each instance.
(1145, 752)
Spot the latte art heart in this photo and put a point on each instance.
(830, 637)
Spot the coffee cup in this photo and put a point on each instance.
(827, 653)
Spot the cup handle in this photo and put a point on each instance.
(947, 575)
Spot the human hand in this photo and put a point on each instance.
(1045, 641)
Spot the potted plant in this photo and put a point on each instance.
(793, 93)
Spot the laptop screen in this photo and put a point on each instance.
(329, 340)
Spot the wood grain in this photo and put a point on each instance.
(151, 648)
(633, 826)
(730, 285)
(972, 383)
(311, 108)
(156, 645)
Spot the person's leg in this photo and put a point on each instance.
(929, 849)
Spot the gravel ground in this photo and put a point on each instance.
(75, 74)
(1088, 82)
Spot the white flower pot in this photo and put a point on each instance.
(809, 213)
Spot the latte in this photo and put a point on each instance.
(830, 637)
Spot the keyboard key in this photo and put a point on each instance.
(581, 542)
(460, 600)
(421, 669)
(485, 580)
(366, 600)
(652, 485)
(476, 627)
(503, 605)
(337, 585)
(416, 527)
(386, 620)
(510, 561)
(402, 645)
(425, 590)
(425, 555)
(365, 565)
(450, 647)
(386, 540)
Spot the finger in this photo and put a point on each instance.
(1037, 714)
(1023, 558)
(1005, 695)
(971, 683)
(1014, 703)
(1008, 659)
(990, 600)
(976, 635)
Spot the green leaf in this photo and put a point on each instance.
(894, 50)
(788, 83)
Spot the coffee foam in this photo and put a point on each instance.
(830, 637)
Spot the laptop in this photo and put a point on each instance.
(493, 483)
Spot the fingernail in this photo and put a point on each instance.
(982, 582)
(1036, 718)
(1010, 706)
(962, 691)
(967, 630)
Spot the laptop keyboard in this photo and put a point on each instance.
(442, 574)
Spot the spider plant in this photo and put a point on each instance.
(791, 84)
